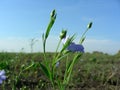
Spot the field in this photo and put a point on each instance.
(93, 71)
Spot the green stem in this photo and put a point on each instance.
(44, 51)
(83, 35)
(3, 86)
(58, 45)
(44, 45)
(65, 75)
(56, 55)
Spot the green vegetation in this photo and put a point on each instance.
(67, 69)
(95, 70)
(58, 76)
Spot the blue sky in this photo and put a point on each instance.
(22, 20)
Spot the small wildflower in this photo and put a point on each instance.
(2, 76)
(57, 64)
(75, 47)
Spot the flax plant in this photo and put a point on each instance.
(50, 69)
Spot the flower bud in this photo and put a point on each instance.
(89, 25)
(53, 14)
(63, 34)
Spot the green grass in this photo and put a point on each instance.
(94, 71)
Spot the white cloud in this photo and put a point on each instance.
(107, 46)
(13, 44)
(16, 44)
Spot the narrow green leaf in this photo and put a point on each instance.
(59, 58)
(73, 62)
(29, 66)
(70, 68)
(45, 70)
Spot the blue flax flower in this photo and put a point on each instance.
(2, 76)
(57, 64)
(75, 47)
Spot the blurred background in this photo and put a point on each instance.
(22, 21)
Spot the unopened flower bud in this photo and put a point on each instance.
(63, 34)
(53, 13)
(89, 25)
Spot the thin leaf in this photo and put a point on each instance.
(59, 58)
(70, 68)
(45, 70)
(52, 20)
(72, 63)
